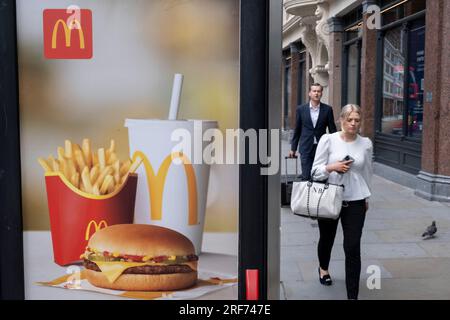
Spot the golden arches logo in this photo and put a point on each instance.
(156, 182)
(96, 227)
(67, 32)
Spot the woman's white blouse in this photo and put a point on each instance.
(357, 180)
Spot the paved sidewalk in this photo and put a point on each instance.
(411, 268)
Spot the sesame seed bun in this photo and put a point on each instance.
(141, 240)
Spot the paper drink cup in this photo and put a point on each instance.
(172, 187)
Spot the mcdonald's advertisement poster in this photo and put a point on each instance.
(96, 84)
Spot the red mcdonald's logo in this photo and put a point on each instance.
(67, 34)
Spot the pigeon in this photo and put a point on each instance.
(431, 230)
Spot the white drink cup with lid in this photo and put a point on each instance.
(172, 182)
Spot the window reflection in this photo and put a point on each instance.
(352, 74)
(416, 61)
(393, 79)
(402, 112)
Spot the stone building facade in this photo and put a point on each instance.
(391, 57)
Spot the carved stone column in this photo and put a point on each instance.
(335, 65)
(320, 70)
(315, 35)
(308, 36)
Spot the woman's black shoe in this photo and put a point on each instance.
(325, 280)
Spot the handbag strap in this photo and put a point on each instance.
(309, 185)
(320, 198)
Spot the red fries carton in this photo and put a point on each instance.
(76, 215)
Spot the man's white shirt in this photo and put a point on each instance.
(314, 112)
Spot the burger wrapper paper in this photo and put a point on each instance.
(207, 282)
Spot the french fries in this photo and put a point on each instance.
(44, 165)
(86, 180)
(86, 148)
(101, 158)
(132, 169)
(97, 172)
(105, 185)
(75, 180)
(68, 150)
(81, 163)
(54, 164)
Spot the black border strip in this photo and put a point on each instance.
(253, 187)
(11, 242)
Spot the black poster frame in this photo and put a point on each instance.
(254, 207)
(11, 248)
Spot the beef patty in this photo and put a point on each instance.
(175, 268)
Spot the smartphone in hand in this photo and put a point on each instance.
(348, 158)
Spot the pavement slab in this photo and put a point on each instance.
(418, 268)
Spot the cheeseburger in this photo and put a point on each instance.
(140, 257)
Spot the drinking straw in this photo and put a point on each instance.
(176, 93)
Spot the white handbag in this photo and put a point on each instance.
(317, 199)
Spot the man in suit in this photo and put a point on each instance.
(312, 119)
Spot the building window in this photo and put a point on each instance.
(294, 83)
(351, 63)
(394, 10)
(392, 114)
(352, 18)
(402, 79)
(416, 67)
(352, 73)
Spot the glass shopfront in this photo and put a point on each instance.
(400, 85)
(402, 106)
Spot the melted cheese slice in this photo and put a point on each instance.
(113, 269)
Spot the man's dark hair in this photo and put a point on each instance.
(316, 85)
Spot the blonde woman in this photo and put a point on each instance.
(345, 157)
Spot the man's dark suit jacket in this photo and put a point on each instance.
(304, 129)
